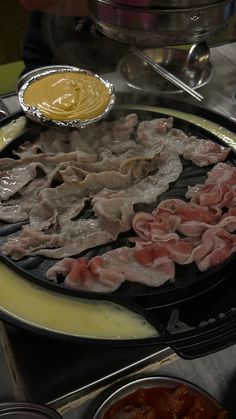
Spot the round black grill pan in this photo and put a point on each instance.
(204, 302)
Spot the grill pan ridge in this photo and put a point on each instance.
(156, 304)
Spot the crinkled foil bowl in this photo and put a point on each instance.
(36, 115)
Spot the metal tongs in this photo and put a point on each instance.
(166, 74)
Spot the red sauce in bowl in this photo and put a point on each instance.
(164, 403)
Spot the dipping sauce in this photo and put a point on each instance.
(68, 96)
(164, 403)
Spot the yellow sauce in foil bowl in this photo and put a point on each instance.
(66, 97)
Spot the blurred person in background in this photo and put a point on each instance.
(61, 32)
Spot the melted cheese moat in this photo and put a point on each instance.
(49, 310)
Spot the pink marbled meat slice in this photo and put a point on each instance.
(199, 151)
(29, 241)
(151, 265)
(77, 237)
(196, 229)
(172, 216)
(106, 273)
(110, 163)
(186, 210)
(178, 250)
(205, 152)
(150, 228)
(208, 241)
(223, 246)
(218, 190)
(203, 251)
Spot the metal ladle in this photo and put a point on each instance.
(197, 59)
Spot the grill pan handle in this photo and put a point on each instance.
(212, 338)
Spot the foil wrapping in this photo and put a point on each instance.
(36, 115)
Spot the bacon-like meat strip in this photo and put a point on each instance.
(172, 216)
(114, 213)
(146, 191)
(76, 237)
(18, 208)
(208, 242)
(196, 229)
(106, 273)
(15, 179)
(199, 151)
(218, 190)
(111, 164)
(178, 250)
(152, 265)
(223, 245)
(30, 239)
(114, 134)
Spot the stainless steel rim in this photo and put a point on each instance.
(161, 10)
(153, 27)
(147, 382)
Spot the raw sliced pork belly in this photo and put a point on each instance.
(218, 190)
(223, 245)
(169, 217)
(106, 273)
(115, 165)
(77, 237)
(150, 265)
(114, 211)
(208, 242)
(164, 225)
(201, 152)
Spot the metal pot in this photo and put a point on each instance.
(155, 26)
(176, 4)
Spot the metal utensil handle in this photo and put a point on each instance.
(170, 77)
